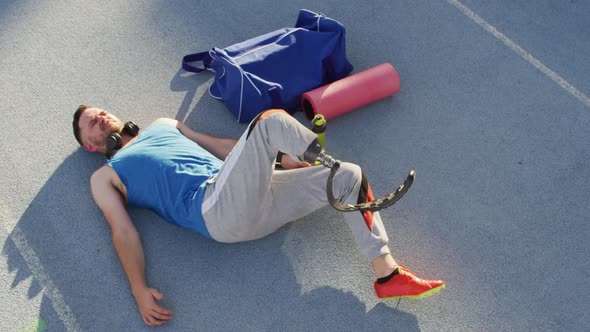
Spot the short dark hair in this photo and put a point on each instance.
(76, 122)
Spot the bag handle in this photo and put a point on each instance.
(202, 56)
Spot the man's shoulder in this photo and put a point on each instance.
(165, 121)
(105, 173)
(104, 176)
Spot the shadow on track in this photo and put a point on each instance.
(212, 286)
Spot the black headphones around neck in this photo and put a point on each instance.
(113, 141)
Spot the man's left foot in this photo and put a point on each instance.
(405, 284)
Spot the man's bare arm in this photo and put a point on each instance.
(219, 147)
(127, 245)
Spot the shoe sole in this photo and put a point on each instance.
(419, 296)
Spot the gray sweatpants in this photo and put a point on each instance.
(248, 199)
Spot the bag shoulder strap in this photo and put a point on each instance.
(204, 57)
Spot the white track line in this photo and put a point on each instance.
(524, 54)
(64, 311)
(58, 303)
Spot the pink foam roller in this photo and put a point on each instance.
(352, 92)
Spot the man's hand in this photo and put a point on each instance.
(151, 312)
(289, 163)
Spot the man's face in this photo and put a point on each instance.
(95, 126)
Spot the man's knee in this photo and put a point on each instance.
(276, 112)
(268, 114)
(353, 171)
(360, 192)
(350, 176)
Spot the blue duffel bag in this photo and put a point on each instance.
(275, 69)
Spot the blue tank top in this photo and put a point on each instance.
(166, 172)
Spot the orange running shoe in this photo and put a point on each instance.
(406, 285)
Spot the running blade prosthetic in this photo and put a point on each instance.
(316, 153)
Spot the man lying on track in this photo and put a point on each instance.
(227, 190)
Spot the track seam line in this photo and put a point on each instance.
(522, 52)
(58, 303)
